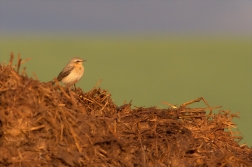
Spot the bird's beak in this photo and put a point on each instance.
(84, 60)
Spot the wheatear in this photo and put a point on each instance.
(72, 72)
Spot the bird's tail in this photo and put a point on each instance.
(54, 81)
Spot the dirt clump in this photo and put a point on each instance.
(42, 124)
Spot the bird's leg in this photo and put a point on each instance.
(74, 87)
(67, 89)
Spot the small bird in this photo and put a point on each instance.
(72, 72)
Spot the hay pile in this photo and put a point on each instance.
(45, 125)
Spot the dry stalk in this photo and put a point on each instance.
(46, 123)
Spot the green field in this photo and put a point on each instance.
(150, 69)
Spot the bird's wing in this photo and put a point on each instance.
(65, 72)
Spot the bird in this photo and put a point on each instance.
(72, 72)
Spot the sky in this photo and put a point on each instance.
(108, 16)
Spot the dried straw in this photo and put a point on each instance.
(45, 125)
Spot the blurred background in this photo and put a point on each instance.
(144, 51)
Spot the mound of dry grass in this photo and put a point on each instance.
(45, 125)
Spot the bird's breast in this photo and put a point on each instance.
(79, 71)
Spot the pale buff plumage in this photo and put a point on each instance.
(72, 72)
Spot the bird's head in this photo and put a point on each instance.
(77, 60)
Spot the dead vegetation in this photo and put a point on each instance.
(44, 125)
